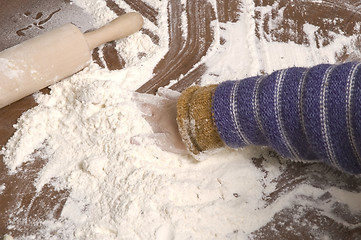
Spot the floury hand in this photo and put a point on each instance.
(160, 111)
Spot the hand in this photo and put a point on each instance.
(160, 111)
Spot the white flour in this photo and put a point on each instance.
(124, 191)
(8, 69)
(2, 188)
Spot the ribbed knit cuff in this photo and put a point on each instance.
(195, 119)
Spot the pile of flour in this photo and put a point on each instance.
(119, 190)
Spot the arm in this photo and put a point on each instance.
(308, 114)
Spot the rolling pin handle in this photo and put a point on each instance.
(120, 27)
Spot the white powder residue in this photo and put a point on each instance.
(118, 190)
(138, 69)
(2, 188)
(243, 57)
(9, 69)
(352, 199)
(8, 237)
(98, 10)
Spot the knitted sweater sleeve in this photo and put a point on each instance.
(302, 113)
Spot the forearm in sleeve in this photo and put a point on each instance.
(303, 113)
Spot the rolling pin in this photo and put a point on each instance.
(55, 55)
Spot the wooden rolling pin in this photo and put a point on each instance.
(55, 55)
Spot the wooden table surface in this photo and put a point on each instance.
(21, 19)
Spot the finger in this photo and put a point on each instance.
(145, 98)
(153, 121)
(145, 103)
(149, 103)
(146, 108)
(142, 139)
(136, 140)
(163, 141)
(168, 93)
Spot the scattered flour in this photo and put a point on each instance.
(8, 237)
(9, 69)
(2, 188)
(123, 191)
(249, 56)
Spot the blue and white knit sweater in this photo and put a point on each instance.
(302, 113)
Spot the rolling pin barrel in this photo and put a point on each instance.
(55, 55)
(41, 61)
